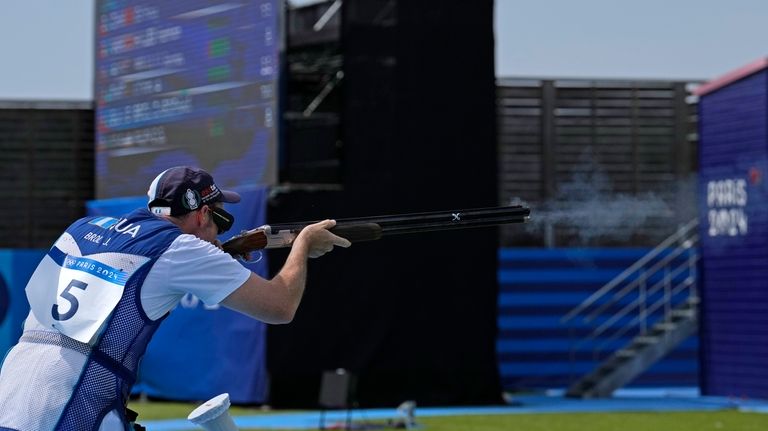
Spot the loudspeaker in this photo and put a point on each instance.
(337, 389)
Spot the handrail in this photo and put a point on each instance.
(632, 269)
(685, 239)
(636, 320)
(635, 304)
(677, 251)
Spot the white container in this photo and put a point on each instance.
(213, 415)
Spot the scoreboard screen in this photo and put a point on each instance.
(185, 82)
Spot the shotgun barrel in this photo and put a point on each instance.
(423, 222)
(375, 227)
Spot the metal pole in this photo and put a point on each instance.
(667, 297)
(641, 302)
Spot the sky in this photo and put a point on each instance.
(47, 45)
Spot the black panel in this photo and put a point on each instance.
(413, 317)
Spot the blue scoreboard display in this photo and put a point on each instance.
(186, 82)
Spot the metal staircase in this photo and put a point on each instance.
(654, 301)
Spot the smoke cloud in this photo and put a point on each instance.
(588, 204)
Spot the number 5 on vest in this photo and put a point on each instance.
(74, 304)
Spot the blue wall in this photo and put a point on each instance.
(733, 208)
(537, 287)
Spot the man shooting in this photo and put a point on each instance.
(102, 290)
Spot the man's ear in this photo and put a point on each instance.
(208, 214)
(200, 216)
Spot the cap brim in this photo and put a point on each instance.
(230, 197)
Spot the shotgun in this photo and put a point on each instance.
(376, 227)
